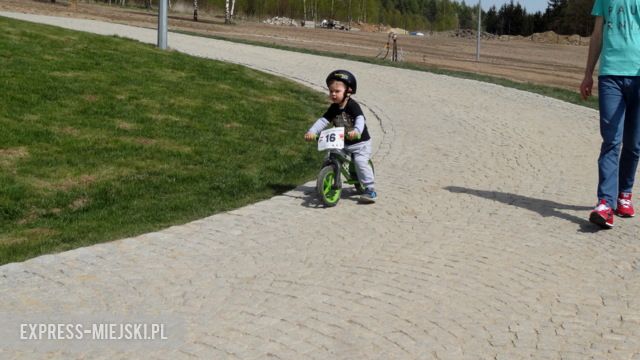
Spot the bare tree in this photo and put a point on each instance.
(363, 11)
(304, 9)
(228, 13)
(315, 12)
(233, 8)
(195, 10)
(349, 11)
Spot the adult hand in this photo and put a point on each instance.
(586, 86)
(353, 134)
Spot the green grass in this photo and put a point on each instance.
(550, 91)
(103, 138)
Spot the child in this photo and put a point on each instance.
(345, 112)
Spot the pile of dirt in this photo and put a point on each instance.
(472, 34)
(281, 21)
(397, 31)
(369, 27)
(551, 37)
(512, 37)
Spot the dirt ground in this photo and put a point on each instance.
(521, 60)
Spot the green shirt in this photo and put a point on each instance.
(620, 53)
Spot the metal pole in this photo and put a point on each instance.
(162, 24)
(478, 37)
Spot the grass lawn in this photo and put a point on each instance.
(103, 138)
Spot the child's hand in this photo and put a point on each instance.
(309, 136)
(353, 134)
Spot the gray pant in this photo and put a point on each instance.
(361, 154)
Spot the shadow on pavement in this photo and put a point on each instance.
(306, 193)
(545, 208)
(309, 195)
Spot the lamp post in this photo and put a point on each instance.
(478, 35)
(162, 25)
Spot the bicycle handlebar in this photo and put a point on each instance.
(316, 137)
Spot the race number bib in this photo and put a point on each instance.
(331, 139)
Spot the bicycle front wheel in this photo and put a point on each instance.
(324, 186)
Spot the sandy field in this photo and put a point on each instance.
(519, 60)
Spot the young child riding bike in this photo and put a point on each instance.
(345, 112)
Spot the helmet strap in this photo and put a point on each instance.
(346, 97)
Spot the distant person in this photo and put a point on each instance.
(345, 112)
(616, 41)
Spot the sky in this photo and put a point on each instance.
(531, 5)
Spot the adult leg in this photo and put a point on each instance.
(612, 112)
(630, 136)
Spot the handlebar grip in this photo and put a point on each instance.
(357, 137)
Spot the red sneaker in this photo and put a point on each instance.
(625, 207)
(602, 215)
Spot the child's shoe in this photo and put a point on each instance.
(602, 215)
(625, 207)
(369, 196)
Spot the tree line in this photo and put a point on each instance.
(562, 16)
(565, 17)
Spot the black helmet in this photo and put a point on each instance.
(346, 77)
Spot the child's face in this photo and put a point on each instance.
(337, 90)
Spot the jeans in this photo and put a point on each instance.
(619, 98)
